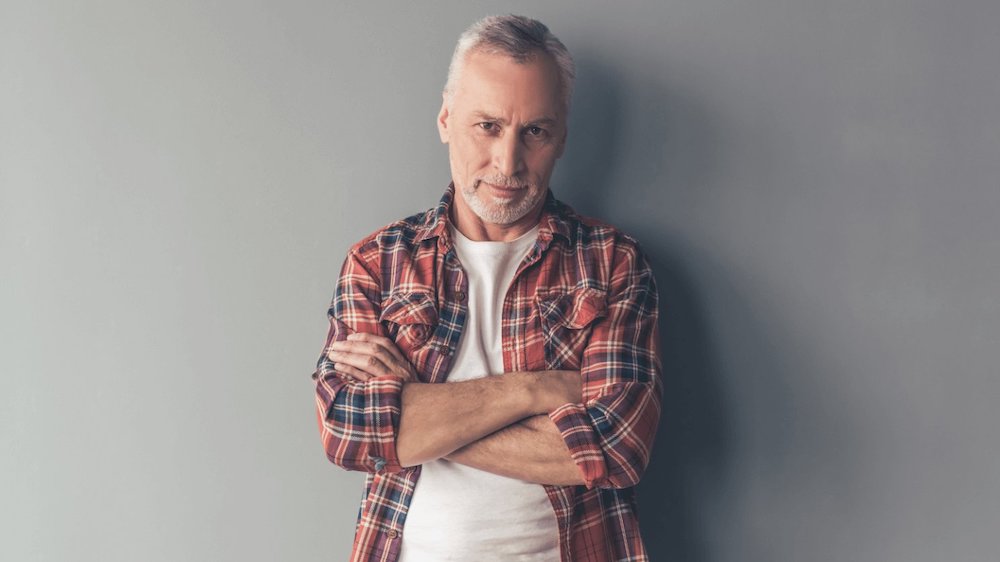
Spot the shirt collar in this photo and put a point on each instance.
(555, 219)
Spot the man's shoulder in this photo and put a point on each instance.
(613, 258)
(399, 235)
(586, 232)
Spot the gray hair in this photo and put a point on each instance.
(518, 37)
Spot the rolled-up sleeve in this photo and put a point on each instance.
(610, 435)
(358, 421)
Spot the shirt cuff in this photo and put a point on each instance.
(576, 423)
(382, 416)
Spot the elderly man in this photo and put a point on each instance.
(491, 363)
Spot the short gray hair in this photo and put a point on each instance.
(518, 37)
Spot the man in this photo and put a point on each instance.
(491, 363)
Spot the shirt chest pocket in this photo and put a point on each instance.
(567, 322)
(410, 320)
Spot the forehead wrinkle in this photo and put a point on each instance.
(543, 120)
(487, 116)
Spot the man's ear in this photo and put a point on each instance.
(442, 120)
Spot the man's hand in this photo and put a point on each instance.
(363, 356)
(532, 450)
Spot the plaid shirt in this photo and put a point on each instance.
(583, 299)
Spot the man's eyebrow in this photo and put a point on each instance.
(545, 120)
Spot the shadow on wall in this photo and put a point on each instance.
(691, 455)
(692, 450)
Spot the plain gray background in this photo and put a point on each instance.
(816, 183)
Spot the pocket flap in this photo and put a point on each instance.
(410, 308)
(575, 309)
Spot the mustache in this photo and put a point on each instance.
(502, 181)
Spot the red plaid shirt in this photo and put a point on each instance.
(583, 299)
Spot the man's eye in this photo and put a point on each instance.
(487, 126)
(536, 131)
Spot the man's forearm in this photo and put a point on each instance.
(531, 450)
(437, 419)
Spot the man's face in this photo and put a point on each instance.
(505, 127)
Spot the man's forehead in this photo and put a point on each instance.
(494, 85)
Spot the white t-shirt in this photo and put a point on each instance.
(462, 513)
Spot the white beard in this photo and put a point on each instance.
(500, 212)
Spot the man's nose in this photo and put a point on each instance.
(507, 156)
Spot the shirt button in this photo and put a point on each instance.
(393, 533)
(460, 296)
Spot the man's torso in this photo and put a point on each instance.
(559, 291)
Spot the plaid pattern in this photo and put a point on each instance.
(583, 299)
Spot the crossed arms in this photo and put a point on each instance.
(594, 427)
(492, 423)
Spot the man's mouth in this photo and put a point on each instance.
(503, 190)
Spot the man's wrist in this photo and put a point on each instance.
(544, 391)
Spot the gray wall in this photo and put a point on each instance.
(815, 181)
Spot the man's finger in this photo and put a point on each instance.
(356, 374)
(351, 372)
(382, 348)
(361, 347)
(370, 364)
(370, 349)
(380, 341)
